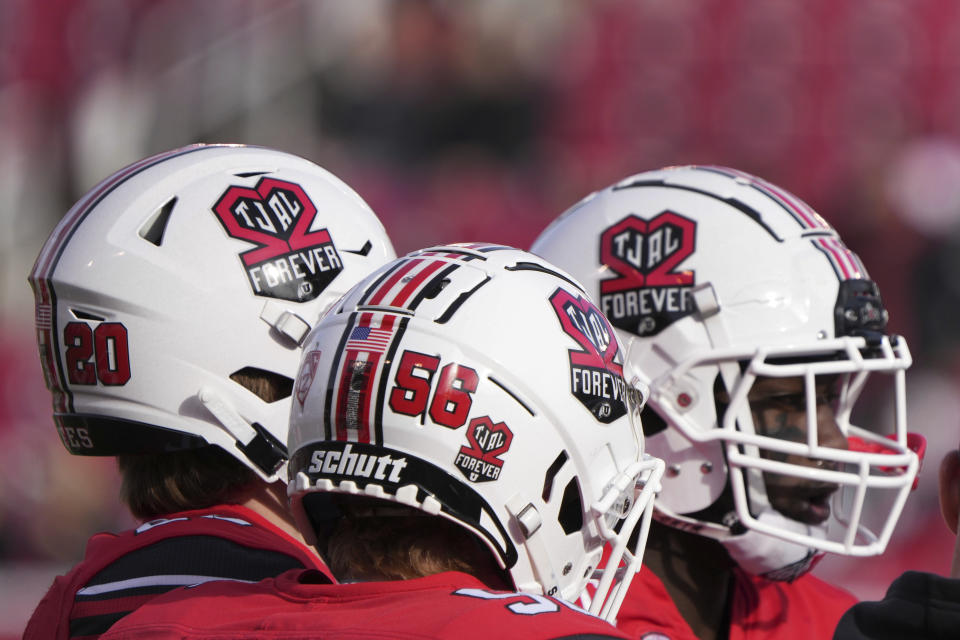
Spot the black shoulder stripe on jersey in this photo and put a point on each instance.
(113, 594)
(194, 556)
(93, 626)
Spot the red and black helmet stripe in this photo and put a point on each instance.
(369, 341)
(799, 210)
(844, 262)
(43, 269)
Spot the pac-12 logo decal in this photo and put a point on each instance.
(308, 371)
(290, 261)
(480, 461)
(596, 380)
(649, 291)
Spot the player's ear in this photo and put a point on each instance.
(950, 488)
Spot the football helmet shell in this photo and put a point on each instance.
(713, 277)
(479, 383)
(180, 271)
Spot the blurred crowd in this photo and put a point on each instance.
(483, 120)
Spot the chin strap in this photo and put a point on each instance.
(529, 521)
(771, 557)
(757, 553)
(257, 444)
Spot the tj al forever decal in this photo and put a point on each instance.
(290, 262)
(596, 380)
(649, 291)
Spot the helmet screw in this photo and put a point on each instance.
(821, 335)
(706, 467)
(684, 400)
(673, 471)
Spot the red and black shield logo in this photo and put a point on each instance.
(480, 461)
(649, 290)
(596, 378)
(308, 371)
(290, 261)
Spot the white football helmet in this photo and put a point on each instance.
(714, 278)
(181, 272)
(478, 383)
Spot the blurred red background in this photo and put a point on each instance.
(483, 121)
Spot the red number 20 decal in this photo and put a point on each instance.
(451, 401)
(107, 344)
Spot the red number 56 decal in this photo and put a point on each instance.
(107, 345)
(451, 401)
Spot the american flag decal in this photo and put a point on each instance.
(360, 373)
(44, 316)
(369, 339)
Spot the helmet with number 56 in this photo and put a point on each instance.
(479, 384)
(179, 287)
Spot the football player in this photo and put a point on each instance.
(756, 329)
(171, 302)
(464, 446)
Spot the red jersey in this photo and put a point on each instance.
(760, 609)
(301, 605)
(121, 572)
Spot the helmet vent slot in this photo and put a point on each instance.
(152, 230)
(533, 266)
(266, 385)
(552, 472)
(512, 395)
(85, 315)
(362, 251)
(251, 174)
(434, 288)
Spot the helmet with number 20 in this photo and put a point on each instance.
(714, 279)
(177, 281)
(478, 383)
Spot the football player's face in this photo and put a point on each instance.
(779, 411)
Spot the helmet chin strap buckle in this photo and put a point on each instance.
(285, 321)
(529, 521)
(706, 300)
(259, 445)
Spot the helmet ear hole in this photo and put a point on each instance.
(266, 385)
(651, 422)
(721, 398)
(571, 508)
